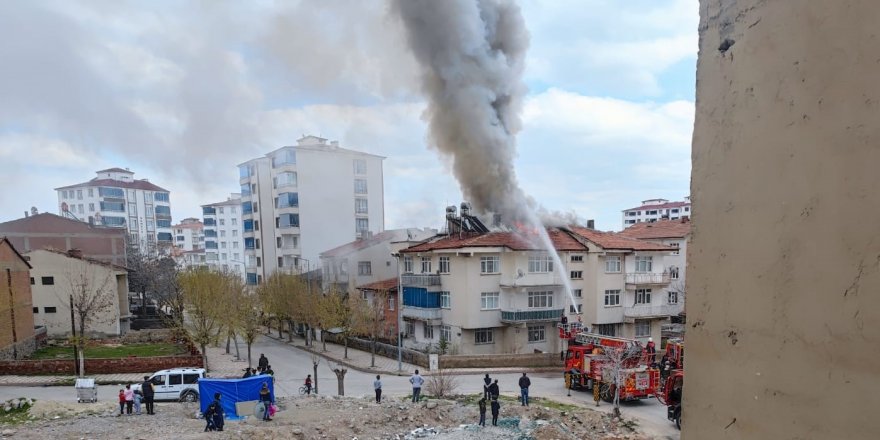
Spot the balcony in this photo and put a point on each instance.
(548, 279)
(649, 311)
(646, 279)
(429, 314)
(422, 279)
(520, 316)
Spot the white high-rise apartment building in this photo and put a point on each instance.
(224, 241)
(189, 235)
(653, 210)
(115, 199)
(300, 200)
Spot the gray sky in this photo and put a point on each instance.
(180, 92)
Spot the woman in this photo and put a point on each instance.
(129, 399)
(266, 400)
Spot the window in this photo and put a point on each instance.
(49, 310)
(675, 245)
(365, 268)
(643, 296)
(643, 328)
(222, 245)
(259, 261)
(484, 336)
(47, 281)
(222, 222)
(577, 258)
(223, 256)
(612, 298)
(251, 279)
(445, 302)
(32, 281)
(288, 220)
(91, 207)
(284, 157)
(606, 329)
(571, 308)
(577, 274)
(245, 190)
(360, 166)
(390, 303)
(113, 206)
(36, 310)
(644, 263)
(190, 379)
(91, 192)
(81, 210)
(612, 264)
(673, 273)
(163, 211)
(407, 264)
(360, 206)
(654, 212)
(175, 379)
(287, 200)
(150, 211)
(444, 264)
(257, 243)
(104, 191)
(540, 263)
(222, 233)
(672, 297)
(248, 244)
(490, 264)
(426, 264)
(79, 194)
(675, 211)
(361, 224)
(445, 333)
(428, 331)
(163, 223)
(536, 333)
(278, 242)
(235, 232)
(410, 328)
(631, 214)
(161, 197)
(285, 179)
(489, 300)
(541, 300)
(360, 186)
(578, 293)
(687, 208)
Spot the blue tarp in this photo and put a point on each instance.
(232, 391)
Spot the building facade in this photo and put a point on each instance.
(189, 235)
(58, 274)
(224, 238)
(653, 210)
(115, 199)
(16, 318)
(50, 231)
(300, 200)
(500, 292)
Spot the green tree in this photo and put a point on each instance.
(203, 293)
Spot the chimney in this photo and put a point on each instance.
(75, 253)
(591, 224)
(496, 220)
(25, 214)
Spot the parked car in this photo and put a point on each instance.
(181, 384)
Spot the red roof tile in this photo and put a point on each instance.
(357, 245)
(136, 184)
(611, 240)
(47, 222)
(384, 285)
(659, 229)
(561, 240)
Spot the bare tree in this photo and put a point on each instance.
(165, 287)
(92, 296)
(340, 371)
(369, 319)
(203, 294)
(315, 361)
(441, 384)
(617, 361)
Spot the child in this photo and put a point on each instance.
(482, 412)
(121, 402)
(137, 402)
(129, 399)
(308, 384)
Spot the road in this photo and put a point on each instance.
(291, 366)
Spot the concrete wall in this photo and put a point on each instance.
(783, 268)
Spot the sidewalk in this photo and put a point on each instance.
(35, 381)
(361, 360)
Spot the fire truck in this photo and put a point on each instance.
(587, 365)
(673, 381)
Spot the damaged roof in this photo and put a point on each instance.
(561, 240)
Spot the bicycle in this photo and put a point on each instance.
(303, 390)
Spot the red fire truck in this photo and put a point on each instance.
(587, 365)
(673, 380)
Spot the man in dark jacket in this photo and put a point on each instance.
(147, 390)
(263, 363)
(524, 384)
(486, 382)
(496, 408)
(494, 391)
(214, 415)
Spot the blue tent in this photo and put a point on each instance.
(233, 390)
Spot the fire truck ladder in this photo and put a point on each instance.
(585, 338)
(567, 330)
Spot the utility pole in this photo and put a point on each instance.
(73, 332)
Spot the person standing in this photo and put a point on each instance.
(147, 389)
(308, 384)
(651, 350)
(266, 400)
(138, 397)
(482, 404)
(263, 362)
(494, 391)
(377, 385)
(129, 399)
(214, 415)
(416, 380)
(496, 408)
(486, 382)
(121, 402)
(524, 384)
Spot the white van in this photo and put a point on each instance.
(176, 384)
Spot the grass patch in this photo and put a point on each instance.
(16, 416)
(111, 351)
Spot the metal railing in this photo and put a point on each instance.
(422, 279)
(422, 313)
(531, 315)
(647, 278)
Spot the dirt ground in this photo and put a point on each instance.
(328, 417)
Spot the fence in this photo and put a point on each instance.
(383, 349)
(99, 366)
(526, 360)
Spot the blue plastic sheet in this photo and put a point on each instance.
(232, 391)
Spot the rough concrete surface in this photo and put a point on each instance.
(784, 264)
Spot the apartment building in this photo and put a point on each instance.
(368, 260)
(300, 200)
(54, 276)
(115, 199)
(189, 235)
(501, 292)
(17, 322)
(653, 210)
(224, 237)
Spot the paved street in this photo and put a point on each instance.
(292, 364)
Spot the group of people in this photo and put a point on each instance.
(215, 416)
(263, 367)
(491, 391)
(130, 399)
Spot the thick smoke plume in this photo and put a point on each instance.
(472, 54)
